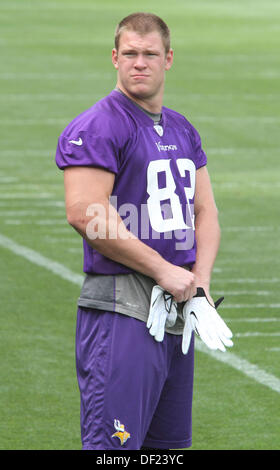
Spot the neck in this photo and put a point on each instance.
(153, 105)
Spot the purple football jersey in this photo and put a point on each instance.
(155, 169)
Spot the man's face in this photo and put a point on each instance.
(141, 62)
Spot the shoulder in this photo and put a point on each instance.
(186, 128)
(106, 119)
(179, 120)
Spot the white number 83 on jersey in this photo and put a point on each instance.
(158, 196)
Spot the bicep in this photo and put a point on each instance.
(85, 186)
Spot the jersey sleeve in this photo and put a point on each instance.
(95, 145)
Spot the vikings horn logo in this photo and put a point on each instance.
(121, 433)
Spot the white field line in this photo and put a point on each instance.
(251, 151)
(34, 122)
(40, 260)
(54, 76)
(23, 213)
(236, 119)
(75, 241)
(242, 292)
(260, 228)
(253, 320)
(252, 306)
(50, 96)
(42, 204)
(249, 280)
(27, 153)
(26, 196)
(36, 222)
(54, 203)
(60, 270)
(251, 334)
(75, 250)
(248, 369)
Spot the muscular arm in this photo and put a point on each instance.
(207, 230)
(104, 230)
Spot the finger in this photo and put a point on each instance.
(159, 335)
(187, 335)
(208, 336)
(221, 325)
(150, 318)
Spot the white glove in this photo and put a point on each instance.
(163, 312)
(200, 316)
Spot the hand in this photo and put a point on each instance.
(178, 281)
(163, 312)
(200, 316)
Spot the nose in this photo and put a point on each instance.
(140, 62)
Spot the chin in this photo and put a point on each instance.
(141, 91)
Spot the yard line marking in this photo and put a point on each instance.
(36, 222)
(241, 292)
(48, 97)
(53, 76)
(33, 122)
(238, 306)
(27, 153)
(40, 260)
(252, 320)
(232, 150)
(51, 239)
(250, 334)
(21, 213)
(251, 229)
(8, 179)
(273, 280)
(60, 270)
(25, 196)
(250, 370)
(248, 119)
(75, 250)
(250, 184)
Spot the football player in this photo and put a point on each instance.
(138, 191)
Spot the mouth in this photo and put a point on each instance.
(140, 75)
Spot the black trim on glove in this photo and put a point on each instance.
(200, 293)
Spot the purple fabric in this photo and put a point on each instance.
(116, 135)
(126, 377)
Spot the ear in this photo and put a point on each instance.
(115, 58)
(169, 59)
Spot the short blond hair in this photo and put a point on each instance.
(143, 23)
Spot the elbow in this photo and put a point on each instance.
(75, 219)
(71, 220)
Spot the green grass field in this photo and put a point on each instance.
(55, 63)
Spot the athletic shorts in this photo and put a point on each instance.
(134, 391)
